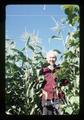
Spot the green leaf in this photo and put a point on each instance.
(74, 99)
(32, 92)
(39, 47)
(28, 41)
(69, 54)
(29, 61)
(30, 88)
(69, 110)
(56, 37)
(23, 49)
(31, 47)
(39, 53)
(33, 109)
(72, 12)
(57, 51)
(20, 54)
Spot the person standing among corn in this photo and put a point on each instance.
(50, 96)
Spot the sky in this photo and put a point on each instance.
(39, 19)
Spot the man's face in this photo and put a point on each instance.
(52, 59)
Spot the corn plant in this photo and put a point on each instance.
(70, 64)
(21, 88)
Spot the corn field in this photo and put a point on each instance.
(23, 83)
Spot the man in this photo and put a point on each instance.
(49, 96)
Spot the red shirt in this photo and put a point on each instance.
(50, 83)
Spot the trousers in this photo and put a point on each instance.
(50, 107)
